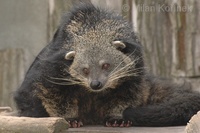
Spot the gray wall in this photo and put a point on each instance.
(24, 24)
(23, 33)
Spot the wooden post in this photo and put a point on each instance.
(170, 35)
(12, 71)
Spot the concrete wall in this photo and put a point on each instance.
(23, 33)
(23, 24)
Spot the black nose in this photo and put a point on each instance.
(95, 84)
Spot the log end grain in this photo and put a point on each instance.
(193, 125)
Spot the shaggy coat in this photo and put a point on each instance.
(93, 71)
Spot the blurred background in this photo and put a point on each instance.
(169, 31)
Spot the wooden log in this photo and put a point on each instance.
(194, 124)
(10, 124)
(5, 109)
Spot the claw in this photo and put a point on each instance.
(108, 124)
(115, 124)
(118, 123)
(122, 124)
(127, 124)
(80, 124)
(75, 123)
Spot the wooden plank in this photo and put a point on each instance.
(170, 35)
(101, 129)
(5, 109)
(12, 71)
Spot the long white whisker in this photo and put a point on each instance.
(64, 79)
(66, 83)
(125, 73)
(121, 69)
(74, 71)
(122, 61)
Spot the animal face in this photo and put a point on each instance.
(98, 67)
(102, 57)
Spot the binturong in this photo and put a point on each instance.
(92, 72)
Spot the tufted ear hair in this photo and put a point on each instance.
(119, 44)
(70, 55)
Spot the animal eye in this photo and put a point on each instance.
(105, 66)
(86, 71)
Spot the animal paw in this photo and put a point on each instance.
(75, 123)
(115, 122)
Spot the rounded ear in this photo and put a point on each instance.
(119, 44)
(70, 55)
